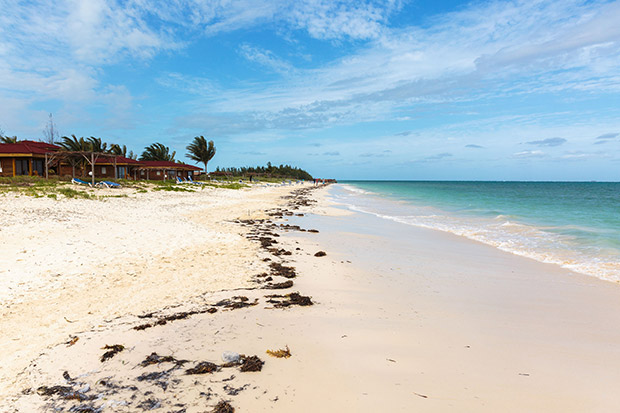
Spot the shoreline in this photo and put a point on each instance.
(540, 224)
(405, 318)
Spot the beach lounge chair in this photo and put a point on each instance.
(191, 181)
(109, 184)
(180, 181)
(80, 182)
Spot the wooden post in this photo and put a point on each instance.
(46, 174)
(92, 168)
(115, 170)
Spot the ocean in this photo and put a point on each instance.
(573, 224)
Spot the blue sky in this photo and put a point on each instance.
(385, 89)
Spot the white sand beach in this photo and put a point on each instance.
(404, 319)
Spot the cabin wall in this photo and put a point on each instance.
(22, 166)
(6, 166)
(159, 174)
(101, 171)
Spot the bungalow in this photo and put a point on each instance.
(24, 158)
(162, 170)
(104, 167)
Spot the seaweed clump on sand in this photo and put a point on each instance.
(320, 254)
(112, 351)
(283, 301)
(279, 286)
(282, 270)
(236, 302)
(155, 358)
(203, 367)
(223, 407)
(52, 390)
(251, 363)
(281, 353)
(171, 317)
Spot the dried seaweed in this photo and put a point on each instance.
(50, 391)
(113, 351)
(234, 391)
(155, 358)
(72, 341)
(156, 375)
(223, 407)
(282, 301)
(320, 254)
(150, 404)
(281, 353)
(251, 363)
(171, 317)
(202, 368)
(279, 286)
(236, 302)
(282, 270)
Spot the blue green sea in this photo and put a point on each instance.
(572, 224)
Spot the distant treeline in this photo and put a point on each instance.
(282, 171)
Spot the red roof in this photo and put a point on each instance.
(168, 164)
(119, 160)
(33, 147)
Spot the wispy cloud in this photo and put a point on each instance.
(606, 138)
(265, 58)
(530, 154)
(414, 66)
(438, 156)
(474, 146)
(548, 142)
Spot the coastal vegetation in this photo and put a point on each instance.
(201, 151)
(268, 171)
(157, 152)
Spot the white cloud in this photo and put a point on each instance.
(490, 50)
(530, 154)
(265, 58)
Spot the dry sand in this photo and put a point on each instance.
(67, 266)
(406, 319)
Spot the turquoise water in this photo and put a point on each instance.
(573, 224)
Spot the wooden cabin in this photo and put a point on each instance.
(24, 158)
(126, 168)
(164, 170)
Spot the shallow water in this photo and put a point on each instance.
(573, 224)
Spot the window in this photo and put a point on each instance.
(0, 167)
(158, 173)
(121, 171)
(37, 167)
(104, 171)
(21, 166)
(142, 172)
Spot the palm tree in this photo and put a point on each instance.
(201, 151)
(74, 144)
(157, 152)
(116, 149)
(97, 145)
(8, 139)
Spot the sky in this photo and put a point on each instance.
(360, 89)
